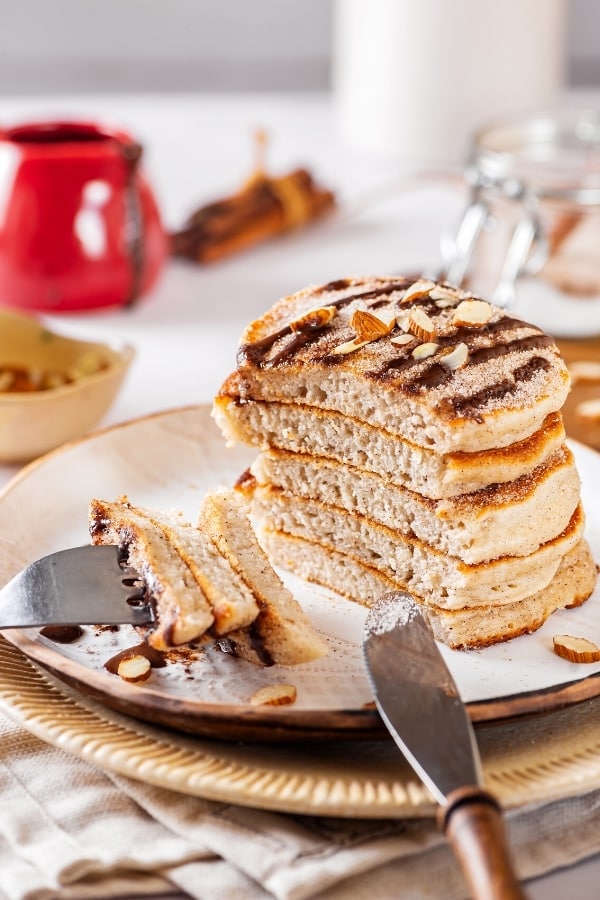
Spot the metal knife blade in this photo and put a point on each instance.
(85, 585)
(417, 697)
(420, 705)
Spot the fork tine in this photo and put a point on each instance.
(81, 586)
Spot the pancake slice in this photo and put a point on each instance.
(510, 519)
(182, 608)
(282, 632)
(232, 604)
(467, 628)
(208, 582)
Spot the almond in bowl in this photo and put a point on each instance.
(52, 388)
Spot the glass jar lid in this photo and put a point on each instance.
(556, 156)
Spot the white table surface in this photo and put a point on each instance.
(198, 148)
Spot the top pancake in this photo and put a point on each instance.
(511, 379)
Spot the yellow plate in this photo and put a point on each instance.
(534, 760)
(169, 460)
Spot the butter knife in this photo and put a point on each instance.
(421, 708)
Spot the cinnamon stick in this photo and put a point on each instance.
(263, 208)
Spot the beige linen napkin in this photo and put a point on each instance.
(69, 830)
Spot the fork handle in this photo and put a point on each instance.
(472, 822)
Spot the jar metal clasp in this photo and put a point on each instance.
(528, 247)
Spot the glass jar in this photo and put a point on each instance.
(530, 234)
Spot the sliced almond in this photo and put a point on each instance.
(134, 669)
(444, 304)
(456, 359)
(584, 370)
(588, 410)
(403, 321)
(368, 326)
(575, 649)
(447, 296)
(423, 351)
(348, 347)
(472, 313)
(274, 695)
(387, 316)
(400, 339)
(416, 290)
(313, 319)
(421, 325)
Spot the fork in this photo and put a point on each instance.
(88, 585)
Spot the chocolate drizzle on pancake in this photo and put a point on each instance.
(339, 285)
(435, 374)
(469, 406)
(488, 346)
(255, 352)
(258, 645)
(374, 294)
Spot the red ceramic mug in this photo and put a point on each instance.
(79, 225)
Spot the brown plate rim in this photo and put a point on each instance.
(236, 722)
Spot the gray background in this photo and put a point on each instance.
(71, 46)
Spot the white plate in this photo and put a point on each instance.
(169, 461)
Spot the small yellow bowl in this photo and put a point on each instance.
(52, 388)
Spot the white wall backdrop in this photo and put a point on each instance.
(49, 46)
(73, 45)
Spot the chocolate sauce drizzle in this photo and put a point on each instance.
(258, 645)
(254, 353)
(62, 634)
(410, 375)
(435, 375)
(228, 645)
(154, 657)
(468, 406)
(337, 285)
(98, 526)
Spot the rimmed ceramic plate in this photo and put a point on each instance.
(535, 759)
(169, 461)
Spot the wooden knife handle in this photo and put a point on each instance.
(472, 823)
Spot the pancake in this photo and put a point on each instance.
(411, 435)
(511, 519)
(512, 377)
(477, 626)
(429, 573)
(302, 429)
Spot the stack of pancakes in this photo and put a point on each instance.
(410, 437)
